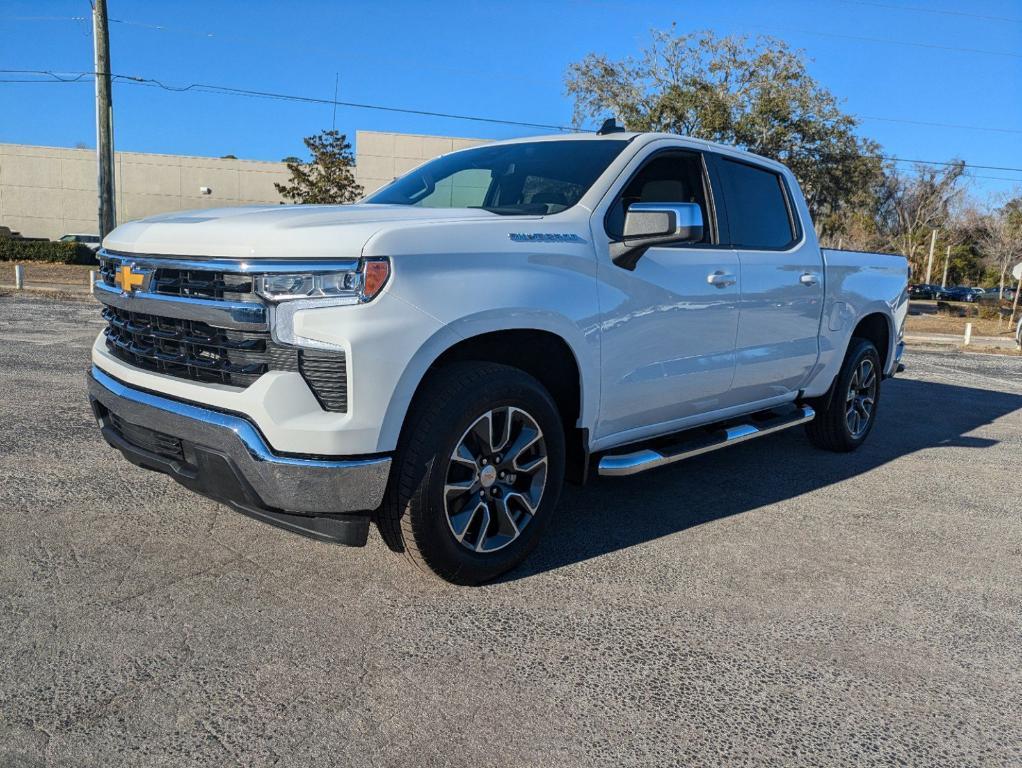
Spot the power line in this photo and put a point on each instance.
(917, 9)
(938, 162)
(223, 89)
(57, 76)
(227, 90)
(331, 52)
(885, 41)
(956, 126)
(68, 77)
(43, 82)
(45, 18)
(888, 41)
(907, 121)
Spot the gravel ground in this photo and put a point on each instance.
(766, 605)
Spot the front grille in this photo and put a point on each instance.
(167, 446)
(192, 350)
(203, 284)
(193, 283)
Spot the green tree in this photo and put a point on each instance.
(328, 178)
(754, 94)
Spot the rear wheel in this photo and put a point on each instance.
(844, 423)
(477, 474)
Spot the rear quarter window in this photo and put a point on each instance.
(757, 206)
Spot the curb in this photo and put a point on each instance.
(72, 292)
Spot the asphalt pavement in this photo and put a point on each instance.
(765, 605)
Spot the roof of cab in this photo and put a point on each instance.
(645, 138)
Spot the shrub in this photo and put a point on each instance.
(955, 310)
(989, 311)
(15, 249)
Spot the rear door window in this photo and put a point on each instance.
(757, 206)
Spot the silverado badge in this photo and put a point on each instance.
(544, 237)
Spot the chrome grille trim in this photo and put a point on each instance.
(239, 266)
(242, 316)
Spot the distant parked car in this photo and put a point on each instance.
(959, 293)
(995, 293)
(950, 293)
(923, 291)
(89, 241)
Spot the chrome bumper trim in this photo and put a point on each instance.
(287, 483)
(242, 316)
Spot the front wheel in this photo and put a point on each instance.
(478, 472)
(843, 424)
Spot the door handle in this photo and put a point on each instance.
(809, 278)
(721, 279)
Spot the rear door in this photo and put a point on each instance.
(781, 283)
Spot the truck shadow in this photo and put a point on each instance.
(612, 514)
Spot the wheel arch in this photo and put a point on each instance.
(556, 359)
(876, 324)
(877, 327)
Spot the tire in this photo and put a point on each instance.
(473, 536)
(835, 428)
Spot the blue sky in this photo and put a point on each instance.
(501, 59)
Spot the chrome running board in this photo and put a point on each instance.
(620, 465)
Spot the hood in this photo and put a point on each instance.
(275, 231)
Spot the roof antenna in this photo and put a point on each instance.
(610, 126)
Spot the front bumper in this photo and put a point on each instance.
(224, 457)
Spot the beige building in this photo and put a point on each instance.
(382, 157)
(51, 191)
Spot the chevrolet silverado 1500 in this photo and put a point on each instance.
(442, 356)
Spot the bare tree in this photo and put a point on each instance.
(915, 204)
(1000, 238)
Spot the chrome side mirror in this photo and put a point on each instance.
(649, 224)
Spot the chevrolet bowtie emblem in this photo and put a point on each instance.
(128, 279)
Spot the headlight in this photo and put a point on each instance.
(359, 285)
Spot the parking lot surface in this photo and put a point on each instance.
(765, 605)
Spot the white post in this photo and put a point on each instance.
(929, 262)
(92, 281)
(947, 261)
(840, 243)
(968, 333)
(19, 276)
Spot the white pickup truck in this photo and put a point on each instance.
(442, 356)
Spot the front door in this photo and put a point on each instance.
(668, 327)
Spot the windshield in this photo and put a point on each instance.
(527, 178)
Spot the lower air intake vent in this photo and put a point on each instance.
(327, 376)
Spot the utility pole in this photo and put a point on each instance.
(947, 261)
(104, 119)
(337, 82)
(929, 263)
